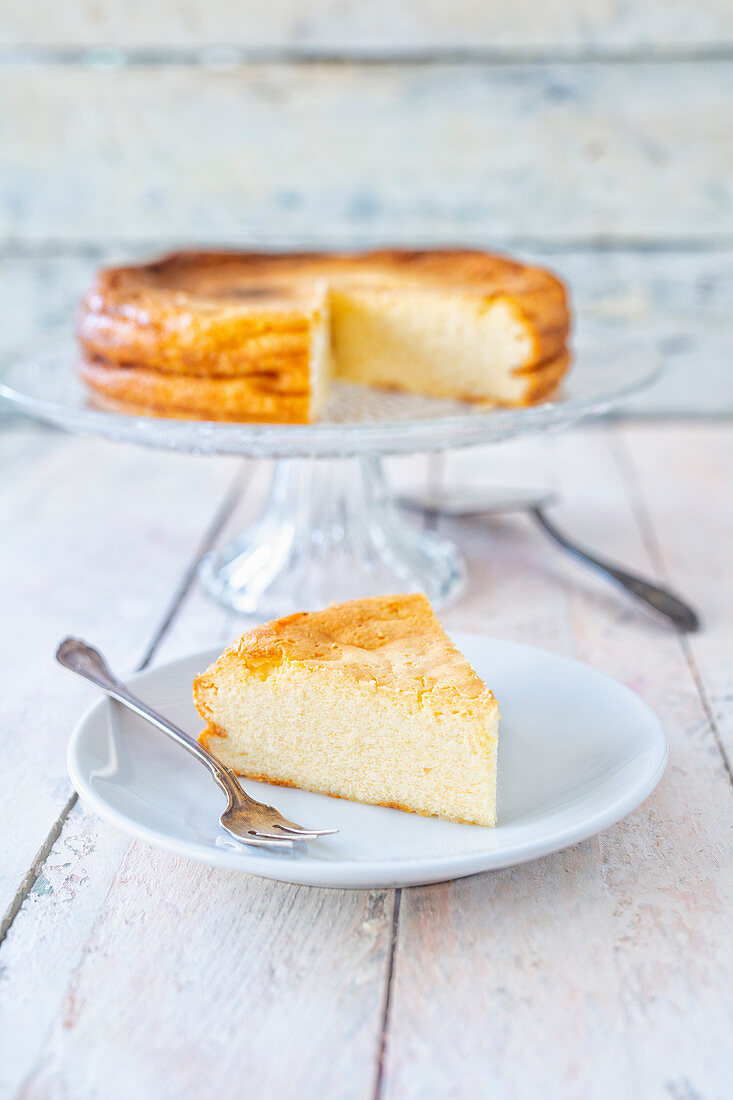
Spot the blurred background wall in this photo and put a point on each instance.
(594, 135)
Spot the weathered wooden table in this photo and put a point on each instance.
(602, 971)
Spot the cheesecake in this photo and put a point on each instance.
(367, 700)
(243, 336)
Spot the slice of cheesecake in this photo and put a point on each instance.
(368, 700)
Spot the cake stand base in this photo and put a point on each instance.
(330, 531)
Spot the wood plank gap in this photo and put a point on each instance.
(638, 505)
(625, 464)
(707, 706)
(217, 55)
(379, 1080)
(212, 532)
(36, 867)
(48, 248)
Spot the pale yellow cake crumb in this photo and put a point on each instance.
(367, 700)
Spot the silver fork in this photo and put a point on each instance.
(245, 819)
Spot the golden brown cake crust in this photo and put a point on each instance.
(223, 313)
(394, 641)
(262, 397)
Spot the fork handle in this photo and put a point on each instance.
(86, 661)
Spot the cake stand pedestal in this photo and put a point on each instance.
(330, 529)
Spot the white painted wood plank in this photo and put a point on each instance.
(46, 941)
(95, 540)
(376, 27)
(200, 982)
(508, 979)
(397, 152)
(48, 936)
(605, 970)
(669, 875)
(496, 946)
(685, 479)
(678, 302)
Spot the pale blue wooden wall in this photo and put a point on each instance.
(595, 135)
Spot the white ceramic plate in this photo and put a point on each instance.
(577, 752)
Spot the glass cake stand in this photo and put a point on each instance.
(330, 529)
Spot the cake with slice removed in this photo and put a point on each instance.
(257, 337)
(367, 700)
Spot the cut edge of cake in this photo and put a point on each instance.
(442, 344)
